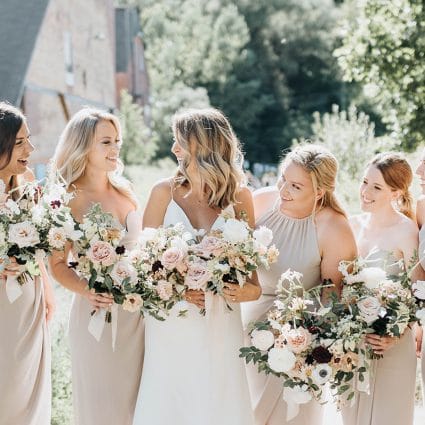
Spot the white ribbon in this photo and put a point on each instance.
(13, 288)
(98, 320)
(292, 410)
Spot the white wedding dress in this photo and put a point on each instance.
(192, 373)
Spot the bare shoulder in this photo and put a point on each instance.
(244, 195)
(357, 221)
(407, 226)
(265, 194)
(331, 223)
(162, 188)
(264, 199)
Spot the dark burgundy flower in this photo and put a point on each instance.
(55, 204)
(314, 330)
(72, 264)
(120, 250)
(309, 359)
(321, 354)
(157, 265)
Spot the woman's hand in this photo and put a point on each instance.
(380, 344)
(195, 297)
(97, 300)
(12, 268)
(235, 293)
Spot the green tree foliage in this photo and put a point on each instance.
(350, 136)
(190, 44)
(267, 64)
(139, 144)
(384, 49)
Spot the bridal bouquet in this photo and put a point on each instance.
(162, 264)
(382, 304)
(229, 255)
(31, 227)
(306, 345)
(174, 261)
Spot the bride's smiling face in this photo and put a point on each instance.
(185, 158)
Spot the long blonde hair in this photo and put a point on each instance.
(215, 148)
(398, 175)
(322, 166)
(70, 157)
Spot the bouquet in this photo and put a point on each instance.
(31, 227)
(175, 261)
(382, 304)
(161, 263)
(306, 344)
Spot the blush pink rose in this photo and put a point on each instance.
(173, 258)
(164, 290)
(103, 253)
(210, 245)
(197, 276)
(298, 339)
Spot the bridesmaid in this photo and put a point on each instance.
(25, 389)
(313, 235)
(105, 381)
(385, 234)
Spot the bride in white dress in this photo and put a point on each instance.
(192, 373)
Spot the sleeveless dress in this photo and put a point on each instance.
(192, 371)
(25, 383)
(105, 381)
(297, 242)
(392, 378)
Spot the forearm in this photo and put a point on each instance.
(68, 278)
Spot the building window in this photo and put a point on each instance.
(69, 62)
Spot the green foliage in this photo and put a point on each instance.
(139, 143)
(384, 49)
(350, 136)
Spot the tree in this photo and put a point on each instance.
(139, 144)
(384, 49)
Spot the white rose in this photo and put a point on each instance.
(23, 234)
(263, 235)
(321, 374)
(419, 289)
(148, 234)
(71, 233)
(122, 270)
(296, 395)
(235, 230)
(132, 302)
(369, 308)
(179, 243)
(281, 359)
(371, 276)
(262, 339)
(57, 237)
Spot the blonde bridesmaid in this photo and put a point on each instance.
(25, 389)
(313, 235)
(105, 380)
(387, 237)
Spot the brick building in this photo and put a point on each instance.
(63, 55)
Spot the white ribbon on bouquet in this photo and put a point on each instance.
(98, 320)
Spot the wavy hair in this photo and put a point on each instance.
(322, 166)
(398, 175)
(208, 138)
(70, 157)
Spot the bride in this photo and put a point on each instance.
(192, 374)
